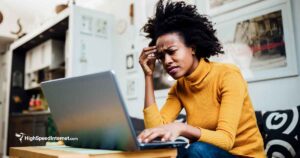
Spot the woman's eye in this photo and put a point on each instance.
(171, 52)
(159, 55)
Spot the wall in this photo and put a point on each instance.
(12, 14)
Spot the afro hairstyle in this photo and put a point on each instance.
(178, 17)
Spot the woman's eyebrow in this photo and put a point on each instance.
(164, 49)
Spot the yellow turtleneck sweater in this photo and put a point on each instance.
(216, 100)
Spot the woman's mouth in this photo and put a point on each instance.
(173, 70)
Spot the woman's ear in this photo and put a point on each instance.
(193, 50)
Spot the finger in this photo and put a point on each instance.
(166, 137)
(149, 48)
(146, 67)
(147, 53)
(153, 135)
(141, 135)
(146, 58)
(149, 57)
(150, 52)
(172, 138)
(146, 133)
(145, 50)
(145, 63)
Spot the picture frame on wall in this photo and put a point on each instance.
(130, 62)
(217, 7)
(259, 40)
(131, 87)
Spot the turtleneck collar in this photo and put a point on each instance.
(200, 72)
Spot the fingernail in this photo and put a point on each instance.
(146, 140)
(140, 140)
(162, 139)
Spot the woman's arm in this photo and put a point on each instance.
(147, 62)
(191, 132)
(149, 91)
(152, 116)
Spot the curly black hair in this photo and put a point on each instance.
(178, 17)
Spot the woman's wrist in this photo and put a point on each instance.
(183, 129)
(189, 131)
(149, 76)
(149, 91)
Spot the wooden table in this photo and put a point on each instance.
(69, 152)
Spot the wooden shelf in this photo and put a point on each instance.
(44, 112)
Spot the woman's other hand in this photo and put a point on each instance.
(168, 132)
(147, 60)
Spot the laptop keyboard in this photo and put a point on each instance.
(160, 144)
(156, 141)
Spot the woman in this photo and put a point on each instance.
(220, 116)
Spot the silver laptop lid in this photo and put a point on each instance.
(92, 109)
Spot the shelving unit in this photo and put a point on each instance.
(5, 40)
(86, 36)
(40, 60)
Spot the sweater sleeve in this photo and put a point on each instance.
(233, 92)
(153, 117)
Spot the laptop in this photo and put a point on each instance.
(91, 108)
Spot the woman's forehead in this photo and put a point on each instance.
(168, 40)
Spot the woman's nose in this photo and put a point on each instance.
(168, 59)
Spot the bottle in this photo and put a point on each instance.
(32, 103)
(38, 102)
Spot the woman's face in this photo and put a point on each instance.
(177, 59)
